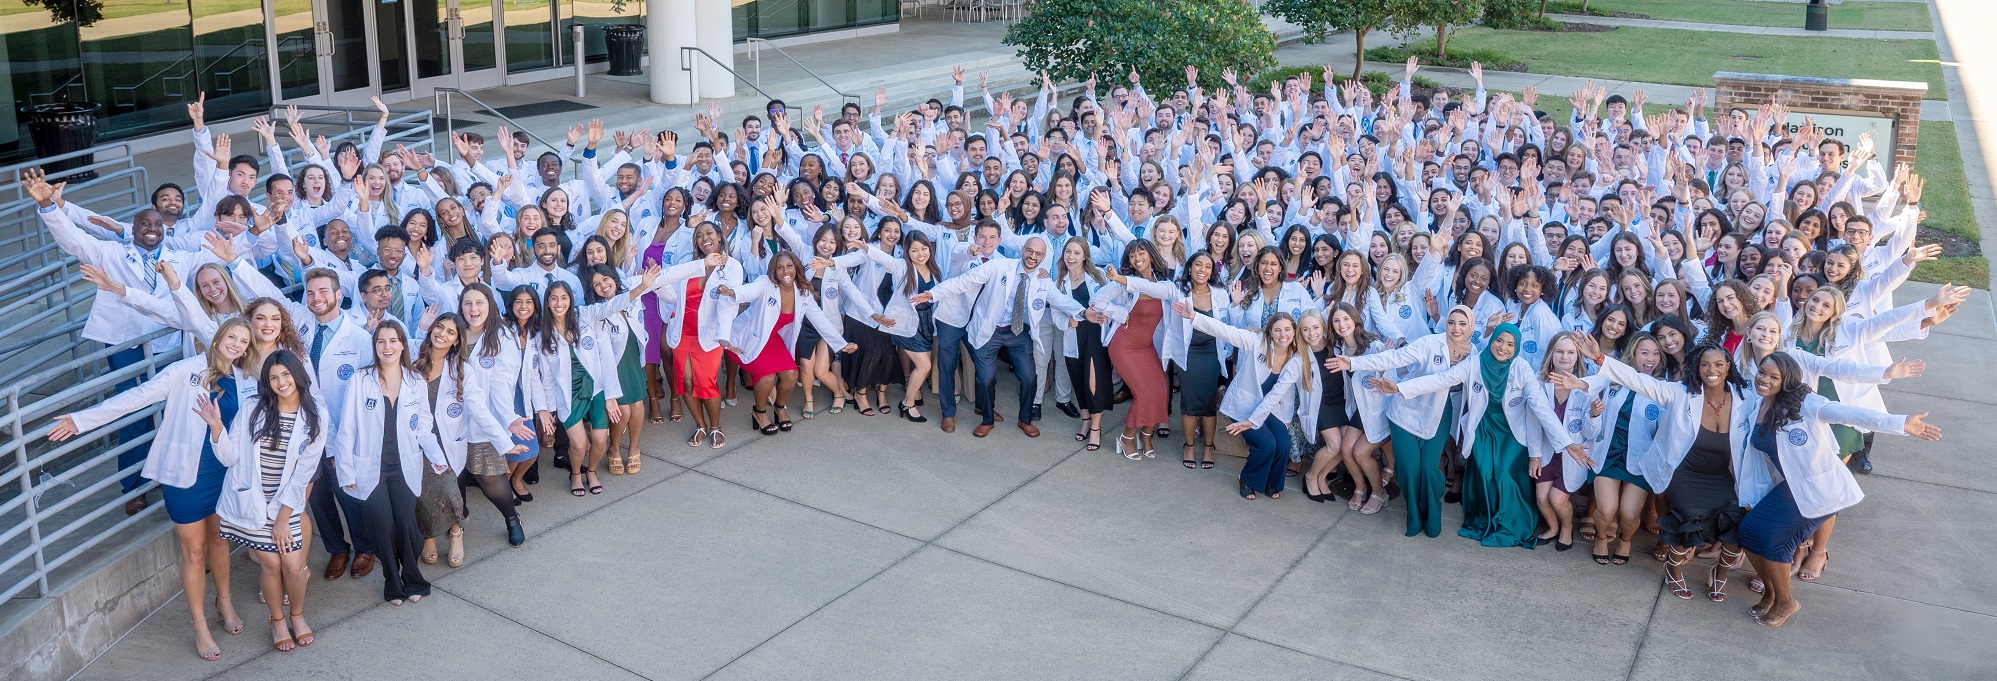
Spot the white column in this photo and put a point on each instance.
(670, 26)
(715, 22)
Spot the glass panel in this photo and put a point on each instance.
(42, 65)
(433, 37)
(876, 11)
(297, 59)
(743, 15)
(139, 63)
(391, 45)
(594, 15)
(779, 17)
(477, 18)
(231, 57)
(347, 19)
(827, 14)
(529, 42)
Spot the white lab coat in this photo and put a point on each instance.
(175, 456)
(463, 413)
(1819, 480)
(1524, 402)
(1680, 425)
(716, 313)
(1245, 400)
(1417, 414)
(999, 280)
(356, 443)
(752, 328)
(242, 502)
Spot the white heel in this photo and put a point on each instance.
(1133, 454)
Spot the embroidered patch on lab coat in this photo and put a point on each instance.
(1407, 312)
(1798, 437)
(1516, 401)
(1574, 426)
(1531, 347)
(454, 410)
(370, 404)
(1650, 412)
(588, 343)
(413, 421)
(346, 371)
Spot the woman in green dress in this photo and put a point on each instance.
(1501, 406)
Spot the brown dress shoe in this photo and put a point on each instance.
(135, 505)
(982, 430)
(363, 564)
(336, 567)
(1030, 429)
(949, 424)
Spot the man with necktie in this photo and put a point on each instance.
(1007, 296)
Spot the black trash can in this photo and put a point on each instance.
(1816, 16)
(626, 43)
(60, 128)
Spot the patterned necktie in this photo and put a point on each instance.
(148, 260)
(395, 307)
(318, 343)
(1019, 306)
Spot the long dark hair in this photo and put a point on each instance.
(489, 338)
(454, 359)
(566, 327)
(533, 320)
(265, 418)
(909, 283)
(1787, 403)
(1145, 245)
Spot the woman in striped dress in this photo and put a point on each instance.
(272, 452)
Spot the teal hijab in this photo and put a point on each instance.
(1499, 372)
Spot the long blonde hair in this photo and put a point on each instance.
(1298, 348)
(1827, 337)
(219, 366)
(234, 296)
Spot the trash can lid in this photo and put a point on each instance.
(62, 108)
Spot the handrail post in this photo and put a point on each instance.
(575, 33)
(31, 505)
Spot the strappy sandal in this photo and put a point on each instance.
(1188, 459)
(596, 488)
(1376, 501)
(1678, 586)
(211, 653)
(699, 438)
(575, 485)
(1763, 619)
(1809, 575)
(1206, 460)
(810, 409)
(769, 429)
(286, 644)
(1354, 503)
(719, 440)
(1716, 588)
(1804, 550)
(456, 557)
(838, 405)
(304, 639)
(1134, 454)
(1622, 558)
(783, 424)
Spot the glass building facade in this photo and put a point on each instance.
(143, 60)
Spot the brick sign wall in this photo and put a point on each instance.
(1896, 100)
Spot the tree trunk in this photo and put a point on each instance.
(1542, 9)
(1359, 62)
(1584, 6)
(1442, 42)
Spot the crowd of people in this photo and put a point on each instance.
(1579, 324)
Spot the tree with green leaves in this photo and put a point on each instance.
(1078, 39)
(1413, 15)
(1319, 18)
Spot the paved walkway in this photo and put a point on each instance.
(1731, 28)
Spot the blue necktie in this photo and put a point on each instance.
(318, 343)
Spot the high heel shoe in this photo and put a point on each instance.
(916, 418)
(1133, 454)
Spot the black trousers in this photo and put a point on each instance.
(390, 516)
(327, 510)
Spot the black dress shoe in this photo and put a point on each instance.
(514, 535)
(1036, 412)
(1068, 409)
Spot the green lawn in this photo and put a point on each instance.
(1972, 271)
(1878, 16)
(1938, 159)
(1691, 57)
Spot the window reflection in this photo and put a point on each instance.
(529, 40)
(43, 65)
(138, 61)
(231, 57)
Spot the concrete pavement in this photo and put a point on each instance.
(868, 547)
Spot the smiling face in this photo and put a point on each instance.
(389, 346)
(1766, 334)
(234, 343)
(1313, 329)
(1768, 380)
(1713, 367)
(267, 320)
(1503, 347)
(1282, 332)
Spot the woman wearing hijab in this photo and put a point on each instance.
(1498, 506)
(1421, 424)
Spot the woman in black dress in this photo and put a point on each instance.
(1087, 357)
(1200, 361)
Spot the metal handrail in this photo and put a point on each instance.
(687, 66)
(760, 43)
(450, 126)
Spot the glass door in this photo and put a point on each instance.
(324, 53)
(455, 44)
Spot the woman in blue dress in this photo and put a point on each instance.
(211, 385)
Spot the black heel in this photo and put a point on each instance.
(784, 424)
(770, 429)
(1094, 447)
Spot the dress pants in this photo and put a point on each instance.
(1048, 361)
(137, 429)
(948, 340)
(390, 516)
(327, 510)
(1268, 456)
(1019, 348)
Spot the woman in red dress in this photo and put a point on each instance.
(764, 338)
(1132, 347)
(696, 328)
